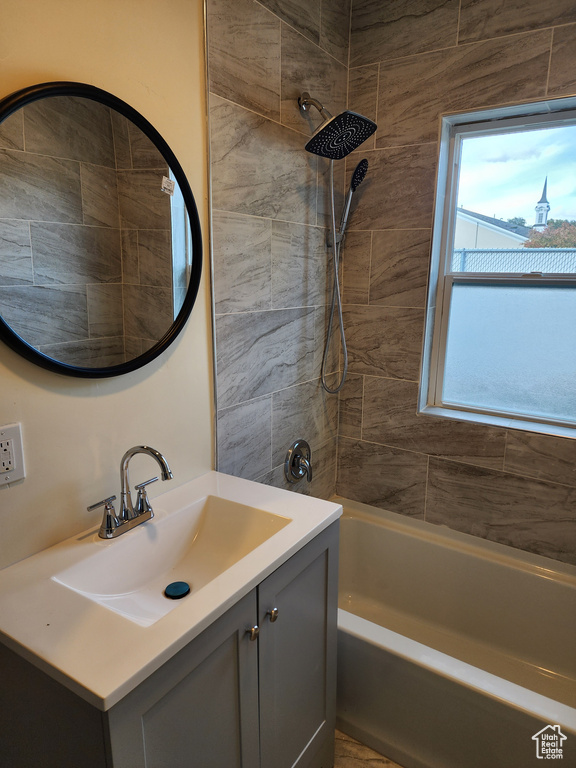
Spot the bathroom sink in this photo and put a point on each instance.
(194, 544)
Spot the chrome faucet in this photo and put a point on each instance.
(127, 511)
(130, 516)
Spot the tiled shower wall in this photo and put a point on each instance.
(409, 62)
(85, 254)
(268, 218)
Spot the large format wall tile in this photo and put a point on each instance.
(384, 341)
(99, 196)
(105, 310)
(385, 477)
(321, 319)
(562, 78)
(155, 257)
(542, 456)
(517, 511)
(147, 311)
(143, 152)
(305, 411)
(46, 314)
(399, 273)
(242, 247)
(259, 167)
(244, 53)
(467, 77)
(306, 67)
(390, 417)
(400, 27)
(39, 188)
(121, 135)
(142, 203)
(12, 131)
(303, 15)
(245, 438)
(480, 19)
(399, 189)
(70, 127)
(93, 353)
(261, 352)
(356, 258)
(335, 28)
(15, 253)
(363, 95)
(299, 265)
(75, 254)
(350, 407)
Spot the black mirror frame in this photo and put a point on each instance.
(19, 99)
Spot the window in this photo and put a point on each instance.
(500, 343)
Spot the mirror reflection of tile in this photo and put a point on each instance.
(85, 253)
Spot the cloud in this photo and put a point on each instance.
(508, 157)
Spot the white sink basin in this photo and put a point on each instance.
(62, 607)
(194, 544)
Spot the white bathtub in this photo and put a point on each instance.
(453, 652)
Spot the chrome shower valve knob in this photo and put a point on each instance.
(298, 463)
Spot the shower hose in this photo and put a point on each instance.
(336, 299)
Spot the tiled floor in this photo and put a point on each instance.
(351, 754)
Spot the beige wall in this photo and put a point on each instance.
(406, 69)
(151, 55)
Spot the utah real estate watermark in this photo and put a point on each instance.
(549, 743)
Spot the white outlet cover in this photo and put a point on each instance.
(13, 432)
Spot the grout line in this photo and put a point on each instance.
(369, 304)
(505, 450)
(362, 407)
(549, 62)
(458, 23)
(426, 487)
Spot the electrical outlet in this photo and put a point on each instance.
(6, 461)
(11, 454)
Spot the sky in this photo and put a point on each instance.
(503, 175)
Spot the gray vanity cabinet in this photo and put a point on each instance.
(298, 657)
(194, 711)
(223, 701)
(228, 701)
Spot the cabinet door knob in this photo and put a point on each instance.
(273, 613)
(253, 632)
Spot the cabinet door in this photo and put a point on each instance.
(298, 658)
(200, 710)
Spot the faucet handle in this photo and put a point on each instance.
(109, 520)
(142, 502)
(105, 502)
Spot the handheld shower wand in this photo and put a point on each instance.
(357, 178)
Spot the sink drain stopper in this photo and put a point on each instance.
(177, 590)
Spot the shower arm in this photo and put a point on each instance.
(305, 101)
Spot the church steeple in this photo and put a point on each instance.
(542, 209)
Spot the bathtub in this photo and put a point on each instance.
(453, 652)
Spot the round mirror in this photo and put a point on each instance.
(100, 243)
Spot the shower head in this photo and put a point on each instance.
(337, 136)
(340, 135)
(359, 174)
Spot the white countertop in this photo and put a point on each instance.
(101, 655)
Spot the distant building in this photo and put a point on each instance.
(477, 231)
(542, 210)
(474, 230)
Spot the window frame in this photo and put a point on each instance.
(453, 129)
